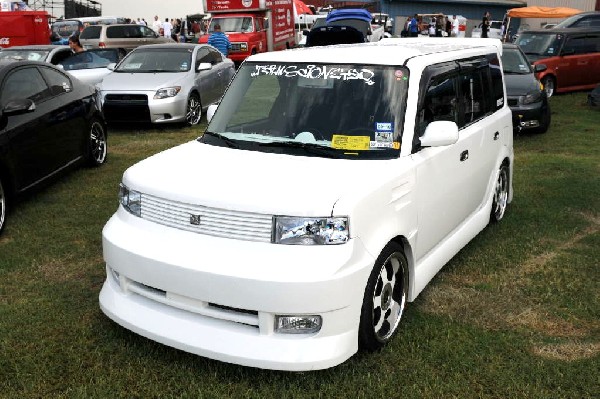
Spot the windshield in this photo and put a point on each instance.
(90, 59)
(24, 55)
(540, 44)
(515, 62)
(66, 28)
(342, 111)
(241, 24)
(157, 60)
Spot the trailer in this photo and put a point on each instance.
(21, 28)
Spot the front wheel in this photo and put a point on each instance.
(193, 112)
(549, 85)
(2, 205)
(385, 298)
(500, 201)
(96, 151)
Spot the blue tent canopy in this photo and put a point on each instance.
(349, 13)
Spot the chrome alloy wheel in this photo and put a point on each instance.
(500, 194)
(193, 112)
(97, 143)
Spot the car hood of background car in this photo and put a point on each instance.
(517, 85)
(125, 81)
(257, 182)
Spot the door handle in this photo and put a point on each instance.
(464, 155)
(496, 136)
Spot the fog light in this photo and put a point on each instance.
(297, 324)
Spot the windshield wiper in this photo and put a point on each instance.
(308, 147)
(230, 143)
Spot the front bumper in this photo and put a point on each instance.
(527, 116)
(140, 106)
(218, 297)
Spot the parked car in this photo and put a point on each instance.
(66, 27)
(283, 239)
(590, 19)
(572, 57)
(165, 83)
(124, 37)
(526, 97)
(385, 20)
(319, 22)
(48, 123)
(45, 53)
(494, 32)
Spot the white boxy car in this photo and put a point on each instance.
(331, 185)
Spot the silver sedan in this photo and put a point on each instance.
(165, 83)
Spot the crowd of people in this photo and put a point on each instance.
(439, 24)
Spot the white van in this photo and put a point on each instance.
(330, 186)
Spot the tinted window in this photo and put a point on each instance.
(472, 96)
(587, 22)
(593, 44)
(497, 82)
(24, 83)
(91, 32)
(575, 45)
(59, 83)
(147, 32)
(540, 44)
(90, 59)
(439, 103)
(123, 31)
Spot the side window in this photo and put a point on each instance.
(593, 43)
(203, 55)
(497, 85)
(439, 103)
(215, 56)
(59, 82)
(61, 56)
(24, 83)
(257, 27)
(147, 32)
(574, 45)
(471, 96)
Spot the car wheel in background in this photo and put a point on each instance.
(500, 201)
(549, 84)
(2, 205)
(193, 112)
(385, 298)
(96, 155)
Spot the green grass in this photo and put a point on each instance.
(516, 314)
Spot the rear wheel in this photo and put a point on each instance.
(500, 201)
(96, 155)
(193, 112)
(2, 205)
(385, 298)
(549, 84)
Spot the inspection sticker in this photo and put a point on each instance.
(385, 126)
(342, 142)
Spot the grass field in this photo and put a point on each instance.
(516, 314)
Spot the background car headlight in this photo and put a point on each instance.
(532, 97)
(311, 231)
(131, 200)
(167, 92)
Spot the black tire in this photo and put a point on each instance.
(96, 151)
(500, 200)
(3, 207)
(385, 298)
(193, 110)
(544, 120)
(549, 84)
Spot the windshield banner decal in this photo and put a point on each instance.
(315, 72)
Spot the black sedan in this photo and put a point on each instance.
(526, 98)
(49, 122)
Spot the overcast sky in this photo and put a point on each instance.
(149, 8)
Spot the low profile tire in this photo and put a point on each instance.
(2, 205)
(549, 85)
(385, 298)
(96, 155)
(500, 201)
(193, 112)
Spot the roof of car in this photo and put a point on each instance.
(393, 51)
(174, 45)
(563, 30)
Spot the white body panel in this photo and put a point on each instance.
(218, 296)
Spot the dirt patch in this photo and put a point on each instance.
(64, 270)
(569, 351)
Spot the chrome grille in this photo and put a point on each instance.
(206, 220)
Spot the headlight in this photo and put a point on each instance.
(131, 200)
(311, 231)
(532, 97)
(167, 92)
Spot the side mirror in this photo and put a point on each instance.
(439, 134)
(539, 68)
(111, 66)
(210, 112)
(204, 66)
(18, 107)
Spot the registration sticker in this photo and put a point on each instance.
(385, 126)
(342, 142)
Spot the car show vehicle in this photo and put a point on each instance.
(571, 55)
(165, 83)
(527, 98)
(122, 37)
(252, 26)
(49, 122)
(281, 239)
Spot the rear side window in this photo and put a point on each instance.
(24, 83)
(123, 31)
(91, 32)
(497, 83)
(59, 83)
(575, 45)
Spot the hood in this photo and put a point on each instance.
(519, 85)
(125, 81)
(258, 182)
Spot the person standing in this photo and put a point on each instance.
(75, 44)
(156, 25)
(219, 40)
(455, 26)
(485, 25)
(414, 26)
(167, 28)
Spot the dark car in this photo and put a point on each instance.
(582, 20)
(527, 99)
(48, 123)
